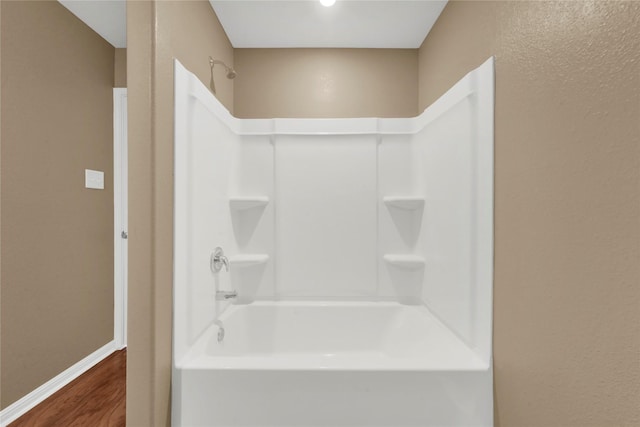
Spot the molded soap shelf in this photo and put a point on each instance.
(242, 203)
(247, 260)
(407, 262)
(407, 203)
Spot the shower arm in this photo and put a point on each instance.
(213, 62)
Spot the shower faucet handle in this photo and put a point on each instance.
(218, 260)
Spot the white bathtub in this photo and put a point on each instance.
(331, 364)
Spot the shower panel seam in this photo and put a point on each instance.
(377, 252)
(272, 141)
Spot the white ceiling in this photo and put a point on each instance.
(346, 24)
(291, 23)
(106, 17)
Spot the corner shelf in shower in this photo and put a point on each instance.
(404, 202)
(247, 260)
(405, 262)
(243, 203)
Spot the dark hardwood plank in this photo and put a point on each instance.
(96, 398)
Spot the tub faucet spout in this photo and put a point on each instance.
(225, 295)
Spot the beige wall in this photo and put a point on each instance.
(120, 68)
(326, 83)
(57, 236)
(567, 236)
(158, 31)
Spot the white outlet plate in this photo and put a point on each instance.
(94, 179)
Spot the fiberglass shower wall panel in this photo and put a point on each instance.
(454, 153)
(400, 206)
(205, 156)
(326, 216)
(252, 212)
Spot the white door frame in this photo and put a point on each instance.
(120, 216)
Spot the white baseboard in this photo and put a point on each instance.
(28, 402)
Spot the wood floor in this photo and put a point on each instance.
(96, 398)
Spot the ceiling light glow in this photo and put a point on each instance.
(327, 3)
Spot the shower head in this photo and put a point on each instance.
(231, 73)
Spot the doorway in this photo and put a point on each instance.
(120, 213)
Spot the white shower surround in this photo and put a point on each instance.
(362, 253)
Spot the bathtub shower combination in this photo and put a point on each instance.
(334, 272)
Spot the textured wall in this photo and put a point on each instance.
(326, 83)
(57, 236)
(159, 31)
(567, 208)
(120, 68)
